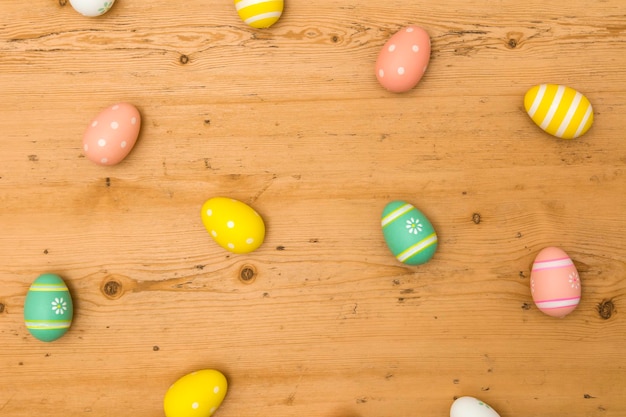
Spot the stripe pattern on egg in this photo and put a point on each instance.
(408, 233)
(559, 110)
(259, 14)
(48, 308)
(555, 283)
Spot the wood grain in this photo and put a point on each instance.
(321, 320)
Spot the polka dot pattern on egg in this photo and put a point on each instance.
(198, 394)
(403, 59)
(235, 226)
(112, 134)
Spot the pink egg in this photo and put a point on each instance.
(555, 283)
(110, 137)
(403, 60)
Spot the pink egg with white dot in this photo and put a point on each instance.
(112, 134)
(403, 60)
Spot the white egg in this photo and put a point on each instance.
(92, 7)
(471, 407)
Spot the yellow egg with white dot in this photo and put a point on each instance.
(234, 225)
(259, 14)
(197, 394)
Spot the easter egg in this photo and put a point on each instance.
(559, 110)
(471, 407)
(259, 13)
(234, 225)
(48, 308)
(554, 282)
(403, 60)
(408, 233)
(91, 8)
(111, 135)
(197, 394)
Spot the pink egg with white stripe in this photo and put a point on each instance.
(111, 135)
(555, 283)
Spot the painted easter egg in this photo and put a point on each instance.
(197, 394)
(471, 407)
(555, 283)
(259, 13)
(48, 308)
(408, 233)
(111, 135)
(91, 8)
(234, 225)
(403, 60)
(559, 110)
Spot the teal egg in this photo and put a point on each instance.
(408, 233)
(48, 308)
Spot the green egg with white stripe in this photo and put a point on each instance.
(48, 308)
(408, 233)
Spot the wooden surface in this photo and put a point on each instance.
(292, 121)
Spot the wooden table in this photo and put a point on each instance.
(292, 121)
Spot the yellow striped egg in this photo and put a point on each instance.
(559, 110)
(259, 13)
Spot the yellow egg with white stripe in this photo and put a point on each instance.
(259, 14)
(559, 110)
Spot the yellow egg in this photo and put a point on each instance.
(559, 110)
(197, 394)
(259, 13)
(234, 225)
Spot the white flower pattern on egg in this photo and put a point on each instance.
(59, 306)
(414, 226)
(574, 279)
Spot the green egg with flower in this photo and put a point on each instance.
(408, 233)
(48, 308)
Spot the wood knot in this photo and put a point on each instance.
(334, 38)
(62, 3)
(513, 39)
(606, 308)
(476, 218)
(1, 308)
(247, 275)
(112, 288)
(155, 348)
(184, 59)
